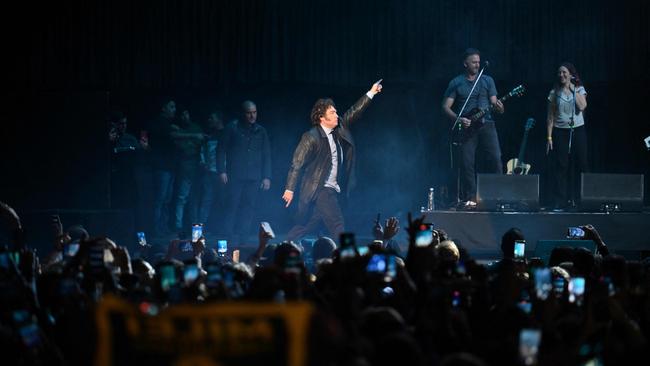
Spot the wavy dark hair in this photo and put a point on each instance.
(319, 109)
(573, 71)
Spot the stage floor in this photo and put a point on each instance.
(480, 232)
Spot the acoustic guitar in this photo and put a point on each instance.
(460, 134)
(517, 166)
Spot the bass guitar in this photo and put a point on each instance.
(517, 166)
(460, 134)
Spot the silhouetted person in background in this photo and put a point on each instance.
(244, 164)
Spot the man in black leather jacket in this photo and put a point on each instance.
(324, 158)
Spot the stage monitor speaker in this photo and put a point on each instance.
(498, 192)
(611, 192)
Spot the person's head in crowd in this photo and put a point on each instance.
(184, 117)
(447, 251)
(560, 255)
(323, 248)
(214, 123)
(167, 108)
(144, 271)
(583, 262)
(268, 256)
(287, 254)
(508, 242)
(249, 112)
(118, 121)
(616, 268)
(77, 233)
(462, 359)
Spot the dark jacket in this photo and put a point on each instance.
(312, 157)
(244, 152)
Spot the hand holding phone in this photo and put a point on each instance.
(267, 229)
(575, 233)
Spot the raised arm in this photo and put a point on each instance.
(354, 112)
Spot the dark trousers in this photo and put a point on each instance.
(326, 209)
(486, 141)
(567, 166)
(241, 198)
(186, 175)
(211, 191)
(163, 186)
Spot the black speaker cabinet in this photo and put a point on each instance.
(611, 192)
(499, 192)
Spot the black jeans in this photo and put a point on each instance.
(487, 142)
(241, 198)
(567, 167)
(326, 209)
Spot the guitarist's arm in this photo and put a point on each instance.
(498, 105)
(446, 109)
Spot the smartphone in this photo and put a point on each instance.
(543, 284)
(424, 236)
(190, 273)
(142, 240)
(391, 267)
(529, 340)
(184, 246)
(576, 289)
(214, 275)
(377, 264)
(108, 257)
(222, 247)
(347, 240)
(15, 257)
(167, 276)
(520, 246)
(29, 331)
(575, 232)
(363, 250)
(70, 250)
(197, 232)
(455, 298)
(267, 229)
(525, 306)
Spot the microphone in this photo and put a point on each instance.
(486, 64)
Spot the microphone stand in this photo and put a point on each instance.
(458, 125)
(572, 202)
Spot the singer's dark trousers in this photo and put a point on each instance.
(325, 208)
(566, 167)
(486, 141)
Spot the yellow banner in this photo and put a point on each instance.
(227, 333)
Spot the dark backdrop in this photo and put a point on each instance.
(75, 62)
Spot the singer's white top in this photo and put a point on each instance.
(565, 106)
